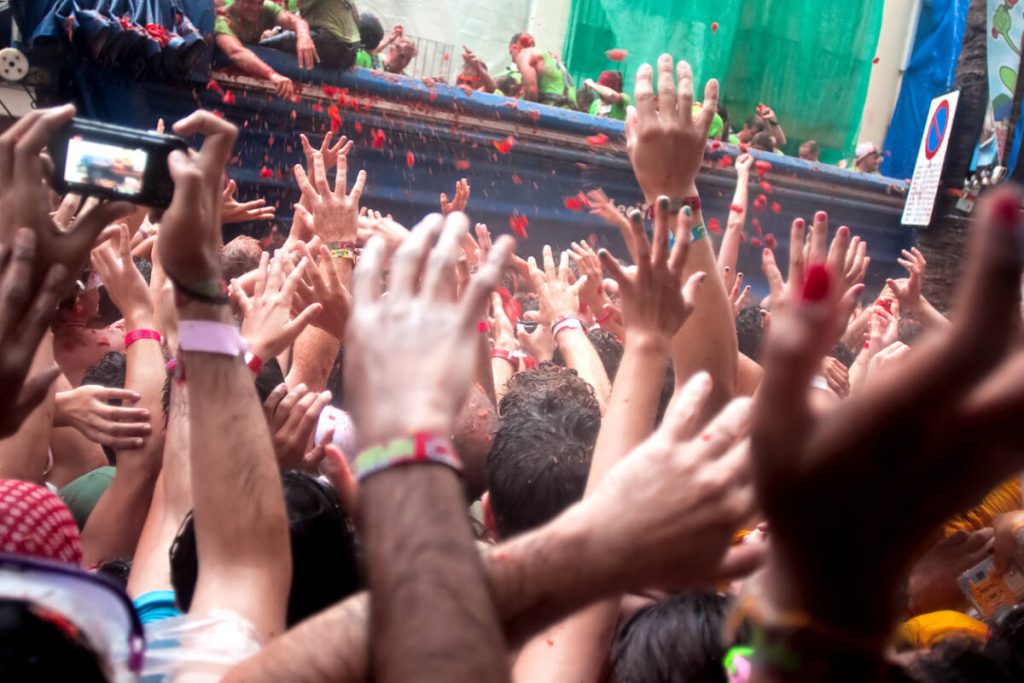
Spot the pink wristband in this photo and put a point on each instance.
(206, 336)
(566, 323)
(135, 335)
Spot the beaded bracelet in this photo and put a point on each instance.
(419, 449)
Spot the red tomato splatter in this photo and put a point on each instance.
(505, 146)
(378, 139)
(535, 115)
(219, 114)
(462, 164)
(572, 203)
(754, 242)
(757, 227)
(445, 57)
(432, 97)
(765, 186)
(518, 223)
(743, 148)
(228, 97)
(599, 140)
(266, 173)
(317, 107)
(214, 86)
(616, 54)
(410, 160)
(514, 104)
(776, 207)
(714, 27)
(516, 180)
(762, 167)
(715, 144)
(770, 241)
(737, 208)
(359, 127)
(714, 225)
(875, 60)
(550, 642)
(760, 203)
(725, 161)
(103, 341)
(331, 91)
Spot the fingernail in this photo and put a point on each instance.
(300, 387)
(1007, 212)
(766, 252)
(635, 217)
(687, 211)
(703, 276)
(817, 284)
(821, 216)
(663, 202)
(325, 395)
(137, 443)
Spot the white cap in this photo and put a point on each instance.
(865, 149)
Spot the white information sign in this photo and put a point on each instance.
(930, 159)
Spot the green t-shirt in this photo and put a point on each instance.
(230, 24)
(338, 17)
(364, 60)
(615, 111)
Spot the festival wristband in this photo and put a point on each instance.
(566, 322)
(343, 253)
(135, 335)
(698, 232)
(420, 449)
(483, 326)
(351, 246)
(506, 355)
(677, 205)
(213, 292)
(254, 362)
(603, 319)
(206, 336)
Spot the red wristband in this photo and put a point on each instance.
(604, 318)
(564, 323)
(135, 335)
(483, 326)
(506, 355)
(254, 362)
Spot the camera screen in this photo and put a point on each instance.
(104, 165)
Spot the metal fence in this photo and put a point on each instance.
(434, 59)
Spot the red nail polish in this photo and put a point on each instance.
(1007, 212)
(817, 283)
(821, 216)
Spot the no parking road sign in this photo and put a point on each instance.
(931, 157)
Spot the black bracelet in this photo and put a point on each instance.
(219, 299)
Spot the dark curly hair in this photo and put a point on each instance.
(540, 459)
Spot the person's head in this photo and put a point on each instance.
(868, 157)
(751, 127)
(750, 331)
(611, 79)
(723, 113)
(371, 31)
(1000, 659)
(520, 42)
(508, 85)
(677, 640)
(325, 567)
(37, 644)
(239, 256)
(540, 459)
(810, 151)
(398, 55)
(764, 142)
(247, 9)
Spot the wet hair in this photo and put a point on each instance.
(749, 331)
(108, 371)
(371, 31)
(811, 146)
(723, 112)
(239, 256)
(324, 557)
(677, 640)
(540, 460)
(756, 124)
(34, 647)
(508, 86)
(523, 39)
(608, 348)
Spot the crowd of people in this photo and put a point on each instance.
(392, 454)
(343, 37)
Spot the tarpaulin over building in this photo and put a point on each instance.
(155, 38)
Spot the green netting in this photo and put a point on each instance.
(809, 59)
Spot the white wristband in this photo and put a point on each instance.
(207, 336)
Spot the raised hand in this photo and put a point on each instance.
(555, 294)
(409, 355)
(324, 286)
(331, 153)
(26, 310)
(664, 141)
(601, 205)
(458, 203)
(374, 223)
(267, 322)
(292, 417)
(88, 410)
(654, 299)
(739, 294)
(539, 342)
(908, 290)
(957, 395)
(25, 201)
(233, 211)
(589, 265)
(335, 212)
(125, 285)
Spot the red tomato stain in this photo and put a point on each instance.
(599, 140)
(410, 160)
(616, 54)
(518, 223)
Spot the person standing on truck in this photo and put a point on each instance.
(545, 79)
(610, 102)
(333, 27)
(242, 22)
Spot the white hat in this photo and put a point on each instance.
(866, 149)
